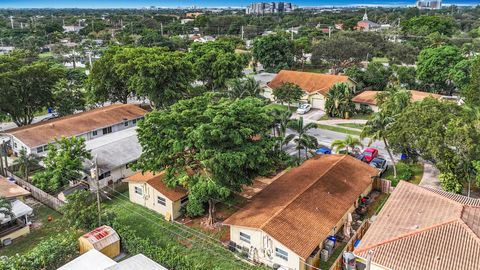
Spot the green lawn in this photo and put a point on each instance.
(339, 129)
(380, 60)
(416, 178)
(352, 125)
(44, 230)
(153, 227)
(355, 117)
(338, 249)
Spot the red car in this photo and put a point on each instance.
(369, 154)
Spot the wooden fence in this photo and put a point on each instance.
(338, 264)
(39, 194)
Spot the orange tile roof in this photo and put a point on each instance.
(294, 209)
(422, 229)
(76, 124)
(11, 190)
(156, 182)
(370, 97)
(310, 82)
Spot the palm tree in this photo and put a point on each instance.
(376, 129)
(303, 140)
(26, 162)
(394, 100)
(281, 128)
(242, 88)
(339, 101)
(6, 208)
(348, 143)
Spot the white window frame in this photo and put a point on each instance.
(245, 237)
(282, 254)
(161, 200)
(94, 133)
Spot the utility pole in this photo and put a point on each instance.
(161, 28)
(11, 21)
(2, 170)
(291, 33)
(329, 31)
(94, 175)
(243, 32)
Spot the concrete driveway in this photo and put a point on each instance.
(312, 115)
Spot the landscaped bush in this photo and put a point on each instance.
(404, 171)
(48, 254)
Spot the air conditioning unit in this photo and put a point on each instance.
(324, 255)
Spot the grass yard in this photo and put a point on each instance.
(153, 227)
(338, 249)
(417, 175)
(382, 60)
(352, 125)
(355, 117)
(42, 230)
(339, 129)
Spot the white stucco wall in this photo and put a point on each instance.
(149, 199)
(261, 244)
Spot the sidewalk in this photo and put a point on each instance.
(430, 177)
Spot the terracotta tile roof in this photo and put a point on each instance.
(310, 82)
(156, 182)
(73, 125)
(294, 209)
(370, 97)
(419, 228)
(11, 190)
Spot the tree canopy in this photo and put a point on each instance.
(210, 145)
(274, 52)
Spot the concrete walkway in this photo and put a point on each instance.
(430, 177)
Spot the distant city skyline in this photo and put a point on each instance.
(199, 3)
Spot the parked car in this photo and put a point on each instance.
(360, 157)
(323, 151)
(304, 108)
(369, 154)
(380, 164)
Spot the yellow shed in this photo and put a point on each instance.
(104, 239)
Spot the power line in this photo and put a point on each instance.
(202, 243)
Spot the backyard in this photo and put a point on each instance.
(204, 247)
(41, 229)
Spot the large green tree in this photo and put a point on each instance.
(26, 87)
(63, 163)
(242, 88)
(274, 52)
(434, 67)
(426, 24)
(471, 92)
(222, 144)
(216, 62)
(26, 163)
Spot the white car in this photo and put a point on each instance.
(304, 108)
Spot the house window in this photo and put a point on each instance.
(107, 130)
(282, 254)
(138, 190)
(134, 121)
(184, 200)
(94, 133)
(104, 175)
(40, 149)
(126, 123)
(245, 237)
(15, 145)
(161, 200)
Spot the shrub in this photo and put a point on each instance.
(404, 171)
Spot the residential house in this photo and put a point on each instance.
(286, 224)
(315, 85)
(95, 260)
(88, 125)
(369, 98)
(148, 190)
(423, 229)
(114, 154)
(12, 227)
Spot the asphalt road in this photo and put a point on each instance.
(326, 137)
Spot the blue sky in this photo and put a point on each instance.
(182, 3)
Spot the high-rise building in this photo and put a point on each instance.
(270, 7)
(429, 4)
